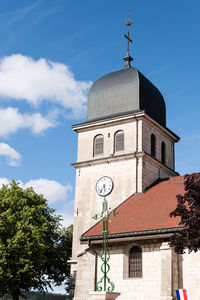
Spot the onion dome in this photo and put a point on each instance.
(125, 91)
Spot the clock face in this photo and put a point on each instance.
(104, 186)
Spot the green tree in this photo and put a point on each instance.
(188, 209)
(34, 248)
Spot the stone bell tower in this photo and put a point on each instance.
(124, 137)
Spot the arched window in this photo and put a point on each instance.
(153, 145)
(119, 141)
(98, 145)
(163, 153)
(135, 262)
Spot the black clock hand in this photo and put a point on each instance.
(103, 188)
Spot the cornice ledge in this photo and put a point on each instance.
(107, 159)
(107, 121)
(151, 158)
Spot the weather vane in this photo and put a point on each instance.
(128, 58)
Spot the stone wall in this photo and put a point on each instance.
(152, 170)
(86, 138)
(161, 136)
(189, 267)
(163, 272)
(122, 167)
(147, 287)
(88, 203)
(158, 281)
(129, 169)
(85, 278)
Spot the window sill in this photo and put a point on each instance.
(133, 278)
(98, 155)
(119, 151)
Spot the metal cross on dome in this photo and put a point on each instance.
(128, 58)
(128, 23)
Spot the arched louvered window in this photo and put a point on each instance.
(163, 153)
(135, 262)
(119, 141)
(98, 145)
(153, 145)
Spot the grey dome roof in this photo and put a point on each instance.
(125, 91)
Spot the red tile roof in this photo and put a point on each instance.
(144, 212)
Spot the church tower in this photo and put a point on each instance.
(124, 137)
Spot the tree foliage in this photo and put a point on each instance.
(37, 296)
(188, 209)
(34, 249)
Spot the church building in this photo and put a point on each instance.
(125, 140)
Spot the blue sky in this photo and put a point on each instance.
(50, 53)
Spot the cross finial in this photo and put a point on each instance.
(128, 58)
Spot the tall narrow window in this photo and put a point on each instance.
(135, 262)
(153, 145)
(98, 144)
(163, 153)
(119, 141)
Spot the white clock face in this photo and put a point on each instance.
(104, 186)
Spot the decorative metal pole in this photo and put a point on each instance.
(128, 58)
(104, 284)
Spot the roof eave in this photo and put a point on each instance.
(138, 234)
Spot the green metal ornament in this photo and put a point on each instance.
(105, 284)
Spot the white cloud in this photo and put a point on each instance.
(13, 157)
(11, 120)
(23, 78)
(37, 122)
(4, 181)
(67, 213)
(52, 190)
(68, 219)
